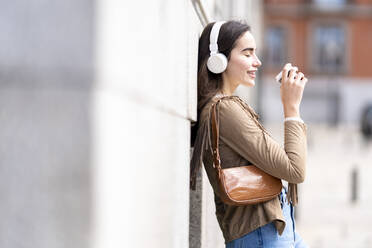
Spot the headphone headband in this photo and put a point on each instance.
(217, 62)
(213, 46)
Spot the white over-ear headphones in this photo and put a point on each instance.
(217, 62)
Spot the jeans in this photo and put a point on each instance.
(267, 235)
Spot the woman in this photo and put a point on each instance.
(243, 139)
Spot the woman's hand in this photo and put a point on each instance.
(291, 90)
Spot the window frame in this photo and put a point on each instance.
(312, 59)
(288, 32)
(327, 3)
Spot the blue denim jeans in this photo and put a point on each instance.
(267, 235)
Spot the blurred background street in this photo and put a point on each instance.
(331, 42)
(331, 212)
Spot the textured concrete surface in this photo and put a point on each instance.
(195, 225)
(46, 58)
(45, 163)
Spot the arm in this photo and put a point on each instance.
(239, 130)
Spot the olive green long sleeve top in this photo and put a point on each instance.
(243, 139)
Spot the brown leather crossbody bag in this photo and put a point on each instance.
(242, 185)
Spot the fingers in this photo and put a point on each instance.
(304, 81)
(292, 73)
(299, 77)
(289, 71)
(285, 72)
(288, 66)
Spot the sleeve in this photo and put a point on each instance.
(293, 119)
(241, 131)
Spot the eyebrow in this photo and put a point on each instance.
(248, 49)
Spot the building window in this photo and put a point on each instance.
(330, 2)
(276, 48)
(329, 49)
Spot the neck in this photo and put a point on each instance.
(228, 87)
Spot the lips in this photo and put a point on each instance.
(252, 73)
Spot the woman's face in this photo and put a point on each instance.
(243, 62)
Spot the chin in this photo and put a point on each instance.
(250, 83)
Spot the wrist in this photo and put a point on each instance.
(291, 112)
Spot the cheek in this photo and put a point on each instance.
(244, 63)
(238, 65)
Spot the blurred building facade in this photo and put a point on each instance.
(331, 42)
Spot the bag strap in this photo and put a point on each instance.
(216, 135)
(215, 143)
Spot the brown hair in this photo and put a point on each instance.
(209, 83)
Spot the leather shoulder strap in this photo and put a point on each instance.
(215, 135)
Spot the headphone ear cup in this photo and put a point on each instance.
(217, 63)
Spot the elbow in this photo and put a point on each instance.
(296, 169)
(296, 180)
(298, 176)
(299, 179)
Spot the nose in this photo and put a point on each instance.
(257, 62)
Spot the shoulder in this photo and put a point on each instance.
(229, 107)
(230, 102)
(237, 120)
(234, 112)
(234, 107)
(223, 103)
